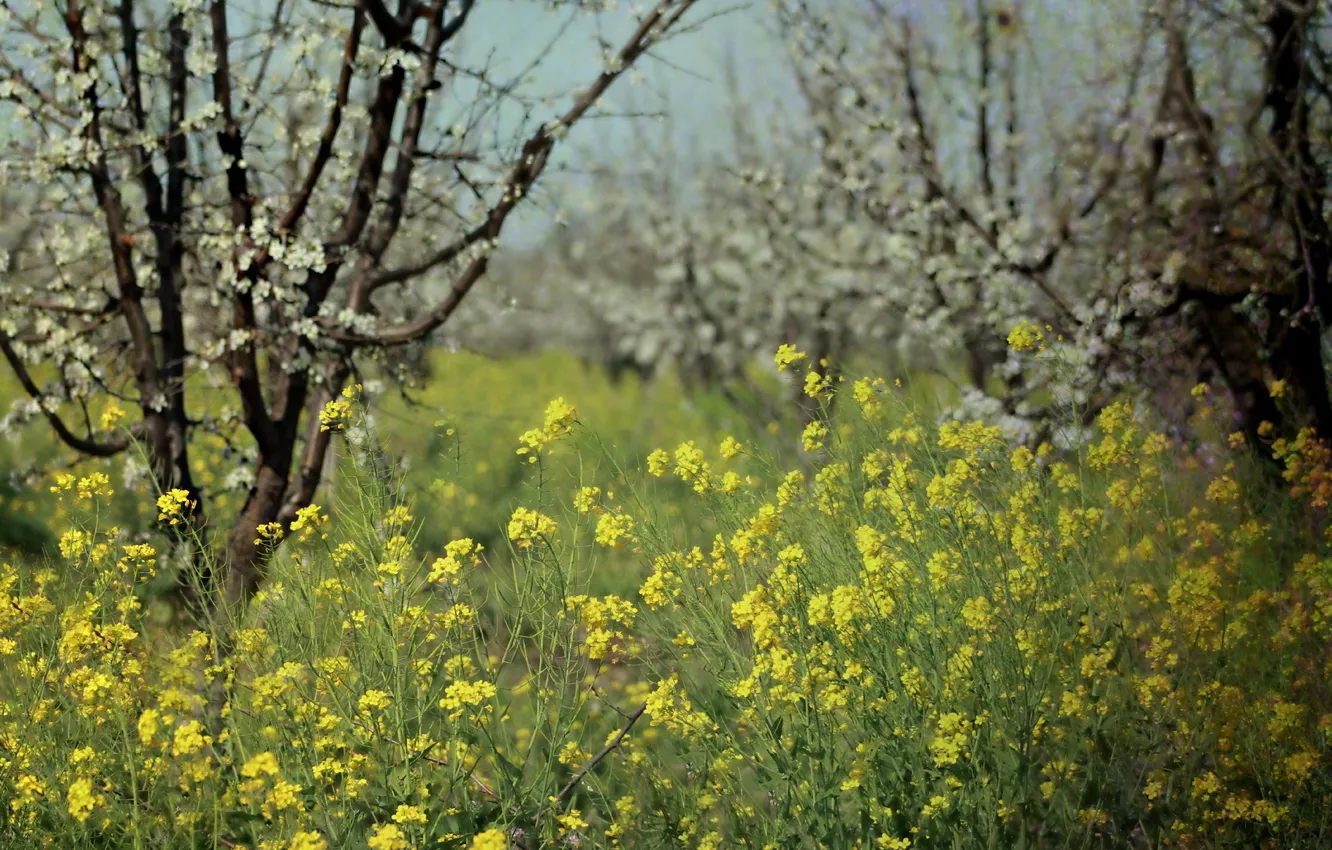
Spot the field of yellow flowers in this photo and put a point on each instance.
(452, 438)
(907, 636)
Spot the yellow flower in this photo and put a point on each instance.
(1277, 389)
(816, 385)
(373, 700)
(264, 764)
(409, 814)
(82, 800)
(866, 392)
(585, 499)
(450, 565)
(1223, 491)
(397, 517)
(171, 505)
(787, 356)
(1022, 460)
(527, 527)
(813, 436)
(951, 735)
(29, 789)
(612, 529)
(307, 841)
(189, 739)
(95, 484)
(571, 821)
(560, 417)
(1024, 336)
(491, 839)
(308, 521)
(689, 461)
(271, 531)
(790, 488)
(660, 588)
(656, 462)
(673, 710)
(335, 415)
(111, 416)
(388, 837)
(149, 723)
(286, 795)
(976, 613)
(730, 482)
(462, 694)
(74, 543)
(730, 447)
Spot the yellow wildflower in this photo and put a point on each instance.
(81, 799)
(527, 527)
(388, 837)
(1024, 336)
(787, 356)
(172, 504)
(491, 839)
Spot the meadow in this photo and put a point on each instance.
(536, 608)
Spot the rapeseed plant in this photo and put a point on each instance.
(923, 637)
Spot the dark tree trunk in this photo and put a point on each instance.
(245, 560)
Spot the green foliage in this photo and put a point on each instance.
(24, 533)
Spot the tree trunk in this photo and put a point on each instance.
(245, 561)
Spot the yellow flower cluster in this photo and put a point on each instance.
(447, 568)
(1025, 336)
(787, 356)
(528, 527)
(172, 505)
(337, 414)
(606, 620)
(560, 417)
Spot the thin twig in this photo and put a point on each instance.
(605, 751)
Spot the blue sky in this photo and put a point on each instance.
(689, 78)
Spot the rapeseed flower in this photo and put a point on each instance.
(787, 356)
(527, 527)
(388, 836)
(491, 839)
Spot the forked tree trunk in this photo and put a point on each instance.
(280, 491)
(245, 560)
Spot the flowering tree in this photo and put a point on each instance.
(1140, 189)
(707, 262)
(1140, 179)
(239, 205)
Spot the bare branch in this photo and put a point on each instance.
(83, 445)
(610, 747)
(531, 163)
(294, 212)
